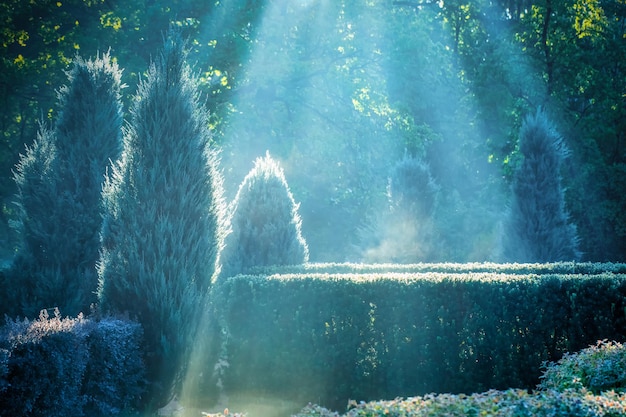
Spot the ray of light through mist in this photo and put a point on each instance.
(327, 92)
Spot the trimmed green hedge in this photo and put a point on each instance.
(588, 268)
(330, 337)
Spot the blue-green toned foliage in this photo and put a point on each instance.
(266, 227)
(47, 362)
(598, 368)
(370, 335)
(405, 231)
(509, 403)
(537, 227)
(70, 367)
(59, 180)
(162, 228)
(114, 379)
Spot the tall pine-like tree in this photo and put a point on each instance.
(59, 182)
(163, 223)
(537, 226)
(266, 226)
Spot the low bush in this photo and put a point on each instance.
(47, 362)
(4, 369)
(597, 368)
(56, 366)
(509, 403)
(115, 376)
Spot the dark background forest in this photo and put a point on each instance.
(339, 91)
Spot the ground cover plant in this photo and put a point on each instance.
(508, 403)
(589, 382)
(57, 366)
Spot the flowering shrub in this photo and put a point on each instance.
(598, 368)
(512, 402)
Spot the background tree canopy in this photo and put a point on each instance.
(339, 91)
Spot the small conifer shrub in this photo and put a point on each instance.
(163, 222)
(46, 365)
(404, 232)
(55, 366)
(59, 181)
(266, 226)
(537, 227)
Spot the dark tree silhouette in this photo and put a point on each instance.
(537, 226)
(59, 182)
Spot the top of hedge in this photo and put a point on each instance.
(585, 268)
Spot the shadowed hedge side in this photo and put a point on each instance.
(383, 335)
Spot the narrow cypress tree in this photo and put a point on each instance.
(266, 226)
(537, 226)
(59, 182)
(162, 227)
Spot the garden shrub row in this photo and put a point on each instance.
(333, 337)
(57, 366)
(590, 268)
(508, 403)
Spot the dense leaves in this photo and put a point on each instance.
(68, 366)
(378, 334)
(59, 180)
(163, 221)
(509, 403)
(537, 227)
(354, 87)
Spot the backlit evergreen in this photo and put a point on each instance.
(163, 216)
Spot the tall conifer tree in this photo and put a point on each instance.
(162, 228)
(537, 227)
(266, 226)
(59, 182)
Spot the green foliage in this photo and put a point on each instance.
(509, 403)
(266, 226)
(385, 334)
(114, 380)
(343, 83)
(163, 223)
(48, 358)
(4, 369)
(597, 368)
(556, 268)
(64, 367)
(537, 227)
(59, 181)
